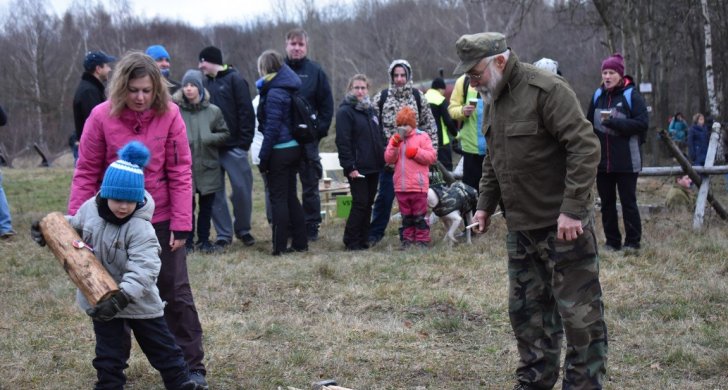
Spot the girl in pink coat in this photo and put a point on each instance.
(412, 154)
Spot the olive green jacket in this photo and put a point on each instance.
(206, 132)
(542, 153)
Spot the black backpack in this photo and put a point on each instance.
(304, 123)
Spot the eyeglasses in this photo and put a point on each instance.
(479, 74)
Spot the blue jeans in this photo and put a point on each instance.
(6, 224)
(235, 163)
(155, 340)
(382, 206)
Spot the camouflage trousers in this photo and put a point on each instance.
(554, 289)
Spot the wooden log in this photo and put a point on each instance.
(678, 171)
(694, 176)
(85, 271)
(705, 185)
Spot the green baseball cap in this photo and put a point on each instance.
(474, 47)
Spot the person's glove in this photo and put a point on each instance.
(107, 309)
(411, 151)
(395, 140)
(607, 123)
(36, 234)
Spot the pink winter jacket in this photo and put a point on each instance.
(167, 176)
(412, 174)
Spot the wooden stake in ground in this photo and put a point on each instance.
(77, 259)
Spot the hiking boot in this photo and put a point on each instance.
(247, 239)
(189, 248)
(222, 243)
(312, 231)
(198, 377)
(404, 245)
(611, 248)
(7, 235)
(524, 386)
(630, 250)
(207, 247)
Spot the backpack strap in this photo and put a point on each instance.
(627, 93)
(597, 93)
(382, 98)
(418, 99)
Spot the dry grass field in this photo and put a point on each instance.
(381, 319)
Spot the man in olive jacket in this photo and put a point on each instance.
(541, 161)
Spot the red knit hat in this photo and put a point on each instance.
(614, 62)
(406, 116)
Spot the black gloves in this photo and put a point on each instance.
(107, 309)
(36, 234)
(607, 123)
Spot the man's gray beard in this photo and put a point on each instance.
(486, 91)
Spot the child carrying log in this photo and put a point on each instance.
(115, 225)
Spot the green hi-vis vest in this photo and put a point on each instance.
(433, 96)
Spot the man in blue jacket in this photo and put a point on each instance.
(316, 90)
(229, 91)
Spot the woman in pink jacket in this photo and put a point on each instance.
(412, 154)
(139, 108)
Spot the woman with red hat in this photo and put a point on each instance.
(619, 116)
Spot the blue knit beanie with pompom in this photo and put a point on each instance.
(124, 178)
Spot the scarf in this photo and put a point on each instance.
(362, 105)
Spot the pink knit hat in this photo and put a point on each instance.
(614, 62)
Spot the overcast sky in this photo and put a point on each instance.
(195, 12)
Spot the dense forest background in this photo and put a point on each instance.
(663, 43)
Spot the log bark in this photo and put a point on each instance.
(85, 271)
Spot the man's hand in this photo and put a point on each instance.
(483, 220)
(107, 309)
(468, 110)
(569, 229)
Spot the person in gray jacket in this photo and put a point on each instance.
(206, 132)
(116, 225)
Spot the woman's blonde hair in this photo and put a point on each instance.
(357, 77)
(269, 61)
(135, 65)
(696, 118)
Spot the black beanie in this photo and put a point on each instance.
(438, 83)
(212, 55)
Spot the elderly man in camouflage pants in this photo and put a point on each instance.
(541, 161)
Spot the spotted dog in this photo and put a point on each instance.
(452, 204)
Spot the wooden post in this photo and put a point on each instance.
(705, 186)
(688, 169)
(85, 271)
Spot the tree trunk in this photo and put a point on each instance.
(85, 271)
(709, 77)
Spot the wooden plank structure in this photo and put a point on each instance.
(43, 155)
(699, 175)
(77, 259)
